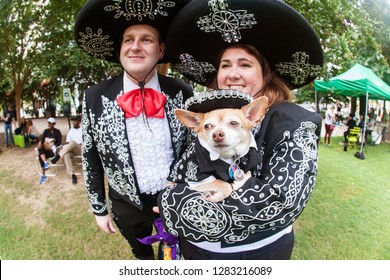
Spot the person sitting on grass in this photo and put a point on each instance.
(32, 131)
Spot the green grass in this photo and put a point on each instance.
(347, 217)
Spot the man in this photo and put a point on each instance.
(9, 118)
(351, 123)
(47, 146)
(130, 134)
(74, 139)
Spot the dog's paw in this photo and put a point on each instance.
(214, 191)
(216, 196)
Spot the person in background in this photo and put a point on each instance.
(32, 132)
(329, 124)
(47, 146)
(255, 221)
(21, 130)
(385, 123)
(130, 133)
(72, 148)
(339, 116)
(351, 123)
(9, 118)
(370, 127)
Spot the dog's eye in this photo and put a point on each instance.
(234, 123)
(207, 126)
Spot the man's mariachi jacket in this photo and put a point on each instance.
(106, 150)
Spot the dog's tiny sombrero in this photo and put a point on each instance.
(204, 102)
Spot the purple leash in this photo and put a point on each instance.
(161, 235)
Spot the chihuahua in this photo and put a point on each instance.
(226, 132)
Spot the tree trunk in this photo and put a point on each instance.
(353, 105)
(18, 99)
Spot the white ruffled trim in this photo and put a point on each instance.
(151, 152)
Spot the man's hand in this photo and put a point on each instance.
(105, 223)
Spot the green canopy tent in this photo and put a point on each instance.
(358, 81)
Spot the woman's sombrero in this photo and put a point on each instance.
(100, 23)
(203, 28)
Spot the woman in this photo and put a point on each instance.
(329, 126)
(32, 131)
(256, 221)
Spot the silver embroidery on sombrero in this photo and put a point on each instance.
(139, 9)
(196, 69)
(299, 69)
(227, 22)
(96, 44)
(200, 97)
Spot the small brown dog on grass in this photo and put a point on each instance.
(227, 133)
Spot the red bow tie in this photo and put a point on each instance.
(153, 103)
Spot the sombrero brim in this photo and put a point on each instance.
(204, 102)
(101, 23)
(279, 33)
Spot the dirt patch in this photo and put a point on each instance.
(22, 164)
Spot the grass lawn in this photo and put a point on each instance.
(347, 217)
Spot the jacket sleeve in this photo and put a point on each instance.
(92, 165)
(269, 201)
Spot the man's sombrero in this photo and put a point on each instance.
(203, 102)
(203, 28)
(101, 23)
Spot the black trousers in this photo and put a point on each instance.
(280, 249)
(47, 153)
(134, 223)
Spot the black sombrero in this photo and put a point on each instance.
(280, 33)
(101, 23)
(203, 102)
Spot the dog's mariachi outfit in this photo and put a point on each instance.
(265, 207)
(268, 202)
(200, 163)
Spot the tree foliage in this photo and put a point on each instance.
(350, 32)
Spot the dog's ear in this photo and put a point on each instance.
(188, 118)
(256, 110)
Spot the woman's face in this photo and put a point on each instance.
(240, 70)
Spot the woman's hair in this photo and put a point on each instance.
(275, 88)
(29, 123)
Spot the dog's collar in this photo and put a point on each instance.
(215, 155)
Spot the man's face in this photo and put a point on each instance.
(140, 50)
(76, 123)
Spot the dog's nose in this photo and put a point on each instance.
(218, 136)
